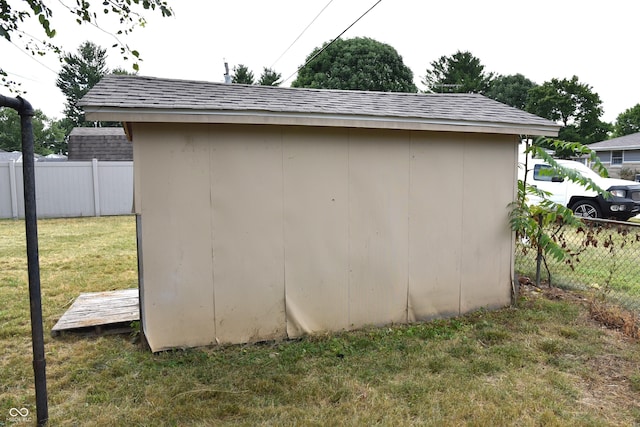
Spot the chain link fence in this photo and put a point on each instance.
(604, 258)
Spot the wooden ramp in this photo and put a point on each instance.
(100, 312)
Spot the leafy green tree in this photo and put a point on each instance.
(242, 75)
(79, 73)
(459, 73)
(16, 16)
(512, 90)
(572, 103)
(540, 224)
(628, 122)
(356, 64)
(269, 77)
(48, 135)
(122, 72)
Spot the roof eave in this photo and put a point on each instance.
(619, 147)
(132, 115)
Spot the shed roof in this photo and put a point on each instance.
(627, 142)
(93, 131)
(147, 99)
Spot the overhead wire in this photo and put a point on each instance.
(300, 35)
(331, 42)
(32, 57)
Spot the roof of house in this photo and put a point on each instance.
(146, 99)
(621, 143)
(93, 131)
(6, 156)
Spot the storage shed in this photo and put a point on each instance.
(267, 212)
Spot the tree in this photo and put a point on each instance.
(48, 135)
(16, 15)
(242, 75)
(572, 103)
(628, 122)
(540, 224)
(79, 73)
(122, 72)
(512, 90)
(356, 64)
(459, 73)
(269, 77)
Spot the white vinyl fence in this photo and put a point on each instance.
(69, 189)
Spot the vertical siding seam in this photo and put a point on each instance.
(213, 274)
(461, 256)
(409, 227)
(284, 244)
(349, 229)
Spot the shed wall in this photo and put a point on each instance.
(263, 232)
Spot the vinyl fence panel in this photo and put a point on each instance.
(69, 189)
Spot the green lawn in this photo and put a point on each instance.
(543, 362)
(608, 263)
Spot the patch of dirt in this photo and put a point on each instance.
(528, 288)
(608, 315)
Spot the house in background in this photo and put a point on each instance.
(10, 156)
(103, 143)
(619, 153)
(268, 212)
(16, 156)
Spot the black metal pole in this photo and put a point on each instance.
(26, 112)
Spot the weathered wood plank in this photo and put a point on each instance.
(100, 309)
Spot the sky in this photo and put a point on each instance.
(542, 39)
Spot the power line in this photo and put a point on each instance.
(300, 35)
(332, 41)
(32, 57)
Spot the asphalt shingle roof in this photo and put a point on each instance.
(124, 93)
(628, 141)
(92, 131)
(9, 156)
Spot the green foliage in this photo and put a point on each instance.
(16, 15)
(541, 223)
(356, 64)
(512, 90)
(572, 103)
(122, 72)
(48, 135)
(459, 73)
(269, 77)
(628, 173)
(242, 75)
(79, 73)
(628, 122)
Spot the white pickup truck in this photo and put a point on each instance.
(622, 204)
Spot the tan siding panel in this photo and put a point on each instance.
(489, 183)
(246, 183)
(435, 225)
(316, 229)
(176, 233)
(378, 221)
